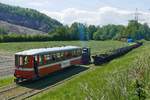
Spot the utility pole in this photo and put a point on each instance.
(137, 15)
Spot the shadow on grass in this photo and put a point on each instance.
(54, 77)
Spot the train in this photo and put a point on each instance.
(36, 63)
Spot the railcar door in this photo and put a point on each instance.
(36, 66)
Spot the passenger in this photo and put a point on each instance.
(53, 57)
(36, 68)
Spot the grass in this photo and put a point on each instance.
(94, 83)
(6, 81)
(96, 46)
(131, 84)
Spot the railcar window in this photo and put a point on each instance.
(58, 55)
(70, 54)
(26, 60)
(36, 58)
(41, 58)
(54, 57)
(62, 55)
(75, 53)
(20, 60)
(78, 52)
(16, 60)
(48, 58)
(67, 54)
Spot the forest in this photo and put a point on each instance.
(79, 31)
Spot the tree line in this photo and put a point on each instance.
(79, 31)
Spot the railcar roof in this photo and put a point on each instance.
(46, 50)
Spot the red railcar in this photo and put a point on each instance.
(35, 63)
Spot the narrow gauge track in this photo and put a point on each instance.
(24, 91)
(33, 92)
(7, 88)
(11, 92)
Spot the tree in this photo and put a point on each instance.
(79, 31)
(146, 33)
(137, 31)
(61, 33)
(91, 30)
(108, 32)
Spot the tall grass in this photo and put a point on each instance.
(6, 80)
(131, 84)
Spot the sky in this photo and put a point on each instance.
(96, 12)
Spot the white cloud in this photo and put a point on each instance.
(36, 4)
(101, 16)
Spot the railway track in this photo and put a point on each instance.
(7, 88)
(22, 92)
(12, 92)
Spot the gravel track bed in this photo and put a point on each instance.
(6, 65)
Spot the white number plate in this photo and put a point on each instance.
(65, 64)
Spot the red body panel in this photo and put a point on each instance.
(48, 70)
(76, 62)
(24, 74)
(27, 74)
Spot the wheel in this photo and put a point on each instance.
(18, 80)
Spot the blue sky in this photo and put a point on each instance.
(98, 12)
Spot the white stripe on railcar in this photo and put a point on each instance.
(25, 69)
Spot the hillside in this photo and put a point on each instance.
(28, 18)
(12, 28)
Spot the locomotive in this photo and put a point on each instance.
(36, 63)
